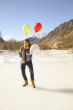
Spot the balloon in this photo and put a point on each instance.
(34, 49)
(37, 27)
(26, 29)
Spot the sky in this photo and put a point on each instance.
(16, 13)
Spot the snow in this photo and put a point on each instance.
(53, 77)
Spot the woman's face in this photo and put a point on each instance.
(26, 44)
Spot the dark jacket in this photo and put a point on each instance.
(25, 55)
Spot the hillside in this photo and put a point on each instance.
(60, 38)
(1, 43)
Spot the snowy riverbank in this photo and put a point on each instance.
(54, 80)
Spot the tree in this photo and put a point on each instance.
(1, 39)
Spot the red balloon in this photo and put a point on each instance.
(37, 27)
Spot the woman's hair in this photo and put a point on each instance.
(27, 40)
(29, 44)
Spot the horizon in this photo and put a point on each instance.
(14, 14)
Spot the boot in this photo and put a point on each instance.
(26, 83)
(33, 84)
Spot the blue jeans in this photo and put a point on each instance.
(30, 66)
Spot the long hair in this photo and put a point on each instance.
(29, 44)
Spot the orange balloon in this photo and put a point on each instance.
(37, 27)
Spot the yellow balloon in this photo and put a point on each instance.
(26, 29)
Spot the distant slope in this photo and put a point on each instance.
(32, 38)
(1, 43)
(60, 38)
(1, 40)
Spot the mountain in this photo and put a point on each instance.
(1, 40)
(60, 38)
(32, 38)
(1, 43)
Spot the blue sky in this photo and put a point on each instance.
(15, 13)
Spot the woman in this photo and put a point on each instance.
(26, 60)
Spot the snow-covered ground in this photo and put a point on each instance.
(53, 77)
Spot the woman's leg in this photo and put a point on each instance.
(29, 64)
(23, 74)
(23, 71)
